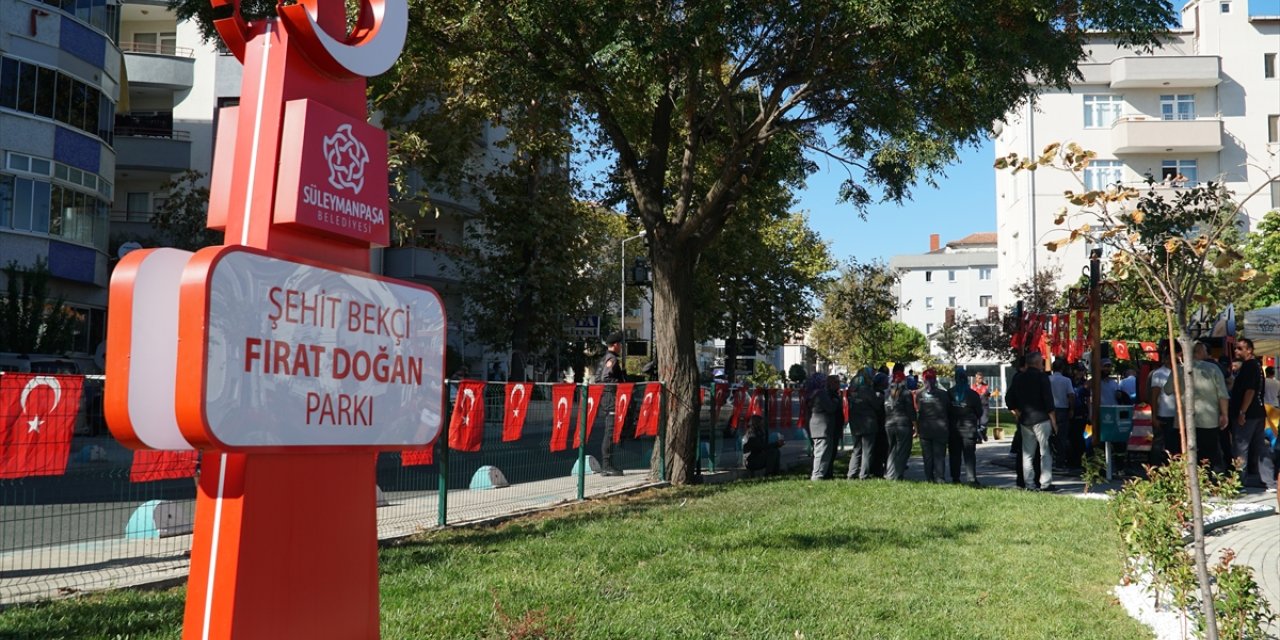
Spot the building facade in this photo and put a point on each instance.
(947, 283)
(1202, 108)
(60, 78)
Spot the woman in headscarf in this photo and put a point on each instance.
(899, 422)
(966, 420)
(866, 414)
(826, 422)
(934, 406)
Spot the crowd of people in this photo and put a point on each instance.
(887, 410)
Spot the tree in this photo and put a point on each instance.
(761, 276)
(796, 373)
(855, 328)
(1176, 248)
(686, 99)
(952, 339)
(1262, 252)
(183, 217)
(29, 321)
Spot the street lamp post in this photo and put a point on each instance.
(622, 298)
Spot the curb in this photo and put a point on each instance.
(1237, 519)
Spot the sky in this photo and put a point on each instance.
(961, 204)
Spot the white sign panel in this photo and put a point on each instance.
(306, 355)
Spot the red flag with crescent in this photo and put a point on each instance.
(37, 416)
(594, 393)
(757, 403)
(1120, 348)
(514, 414)
(622, 404)
(739, 406)
(466, 425)
(1151, 351)
(650, 407)
(149, 465)
(718, 399)
(787, 421)
(561, 415)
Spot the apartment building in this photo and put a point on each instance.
(951, 281)
(1203, 107)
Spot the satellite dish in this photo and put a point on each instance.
(126, 248)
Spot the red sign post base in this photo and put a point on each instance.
(302, 530)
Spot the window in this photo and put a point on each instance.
(951, 275)
(1101, 174)
(163, 43)
(1268, 65)
(928, 303)
(984, 301)
(1178, 173)
(137, 202)
(951, 302)
(1181, 106)
(928, 276)
(45, 92)
(1273, 128)
(928, 329)
(1224, 7)
(1275, 197)
(40, 206)
(1101, 110)
(984, 273)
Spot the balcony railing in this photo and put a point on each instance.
(132, 216)
(145, 132)
(157, 49)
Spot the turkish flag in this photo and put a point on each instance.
(757, 403)
(787, 422)
(1151, 351)
(466, 425)
(650, 407)
(514, 413)
(149, 465)
(37, 415)
(414, 457)
(1121, 349)
(561, 415)
(594, 393)
(621, 405)
(844, 402)
(739, 404)
(718, 400)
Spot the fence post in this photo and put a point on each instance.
(584, 394)
(662, 435)
(442, 467)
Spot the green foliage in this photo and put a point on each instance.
(796, 373)
(856, 327)
(29, 321)
(765, 375)
(1153, 516)
(1243, 611)
(1262, 251)
(183, 218)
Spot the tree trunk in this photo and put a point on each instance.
(677, 362)
(1191, 463)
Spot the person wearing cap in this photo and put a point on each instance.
(1030, 398)
(899, 423)
(866, 414)
(610, 371)
(826, 422)
(934, 409)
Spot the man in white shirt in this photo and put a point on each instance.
(1064, 398)
(1164, 413)
(1129, 383)
(1271, 389)
(1109, 385)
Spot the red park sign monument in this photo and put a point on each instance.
(277, 355)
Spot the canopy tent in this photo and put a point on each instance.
(1263, 327)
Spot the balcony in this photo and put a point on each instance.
(1165, 72)
(435, 264)
(142, 149)
(159, 66)
(1142, 134)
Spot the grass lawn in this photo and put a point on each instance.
(769, 559)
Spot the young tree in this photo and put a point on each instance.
(759, 279)
(1262, 252)
(858, 307)
(686, 99)
(183, 217)
(1176, 248)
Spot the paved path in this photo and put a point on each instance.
(1257, 544)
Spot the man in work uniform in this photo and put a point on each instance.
(610, 371)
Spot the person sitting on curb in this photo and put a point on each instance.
(760, 455)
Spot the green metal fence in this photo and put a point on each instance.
(91, 527)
